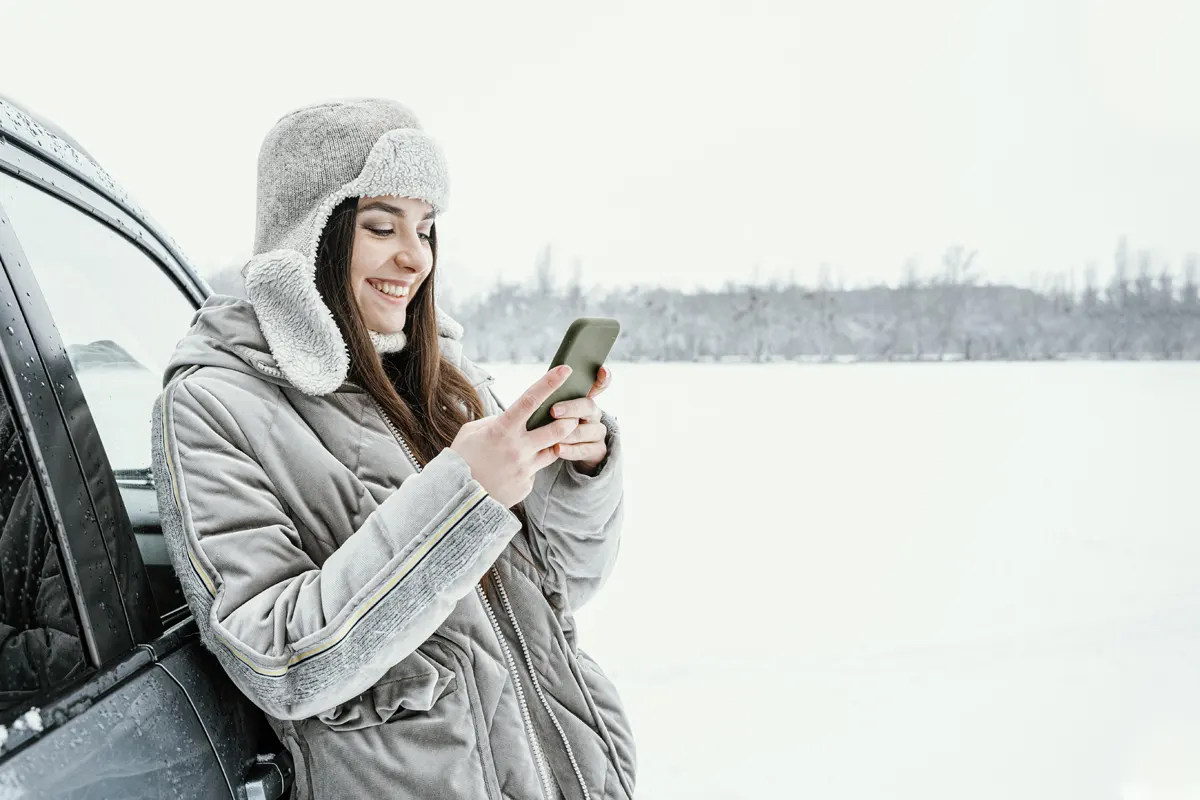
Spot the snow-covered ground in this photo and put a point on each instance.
(906, 581)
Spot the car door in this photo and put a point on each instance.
(102, 303)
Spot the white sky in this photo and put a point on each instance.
(677, 143)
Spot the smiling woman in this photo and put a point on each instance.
(383, 557)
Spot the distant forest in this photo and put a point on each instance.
(1140, 310)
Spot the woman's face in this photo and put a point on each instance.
(391, 258)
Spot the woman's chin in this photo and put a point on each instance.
(390, 323)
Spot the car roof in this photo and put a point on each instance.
(55, 145)
(45, 123)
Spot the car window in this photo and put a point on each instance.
(40, 648)
(119, 316)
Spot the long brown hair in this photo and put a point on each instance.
(417, 388)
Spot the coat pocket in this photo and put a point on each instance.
(413, 685)
(418, 733)
(612, 715)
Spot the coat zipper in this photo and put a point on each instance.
(396, 433)
(538, 755)
(534, 743)
(537, 686)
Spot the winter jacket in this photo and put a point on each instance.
(339, 585)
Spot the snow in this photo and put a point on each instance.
(31, 720)
(905, 581)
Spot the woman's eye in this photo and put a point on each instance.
(389, 232)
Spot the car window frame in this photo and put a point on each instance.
(45, 438)
(107, 529)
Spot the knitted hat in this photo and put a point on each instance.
(314, 158)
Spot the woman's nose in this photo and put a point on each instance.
(408, 260)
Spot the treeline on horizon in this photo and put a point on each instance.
(1140, 310)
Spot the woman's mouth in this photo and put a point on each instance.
(393, 291)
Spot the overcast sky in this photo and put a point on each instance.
(676, 143)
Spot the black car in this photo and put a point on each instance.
(105, 688)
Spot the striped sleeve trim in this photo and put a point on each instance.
(440, 558)
(410, 564)
(307, 686)
(392, 583)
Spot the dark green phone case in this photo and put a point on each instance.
(584, 347)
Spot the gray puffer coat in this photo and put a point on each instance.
(339, 584)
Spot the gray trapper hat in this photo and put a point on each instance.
(314, 158)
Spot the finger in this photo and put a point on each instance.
(545, 458)
(603, 381)
(591, 451)
(584, 408)
(552, 434)
(518, 414)
(590, 432)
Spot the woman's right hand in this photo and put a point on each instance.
(503, 456)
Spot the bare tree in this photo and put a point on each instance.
(1144, 283)
(916, 306)
(1189, 295)
(1091, 295)
(575, 295)
(544, 274)
(1118, 287)
(752, 313)
(956, 280)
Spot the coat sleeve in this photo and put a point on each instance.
(575, 522)
(299, 639)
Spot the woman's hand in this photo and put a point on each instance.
(503, 456)
(585, 445)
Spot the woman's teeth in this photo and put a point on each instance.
(392, 289)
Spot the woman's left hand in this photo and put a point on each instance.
(585, 446)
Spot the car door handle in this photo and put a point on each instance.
(269, 778)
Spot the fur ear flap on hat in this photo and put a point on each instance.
(312, 160)
(298, 326)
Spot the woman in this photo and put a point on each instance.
(381, 556)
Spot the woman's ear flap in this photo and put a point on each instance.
(298, 326)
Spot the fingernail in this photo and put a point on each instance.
(556, 411)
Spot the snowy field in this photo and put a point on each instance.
(906, 581)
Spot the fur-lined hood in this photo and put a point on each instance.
(225, 332)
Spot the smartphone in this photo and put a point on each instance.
(584, 347)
